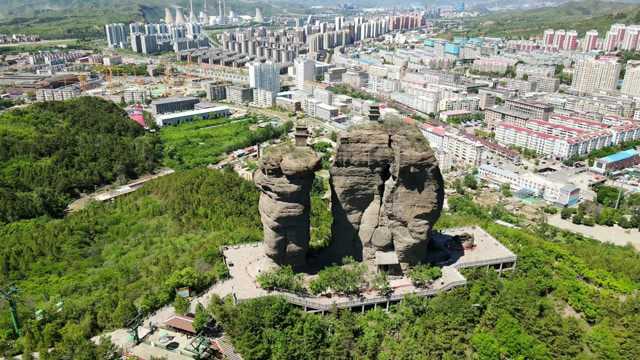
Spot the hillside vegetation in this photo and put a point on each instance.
(203, 142)
(51, 152)
(562, 302)
(581, 16)
(109, 260)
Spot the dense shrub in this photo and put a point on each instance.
(281, 279)
(110, 260)
(423, 275)
(51, 152)
(346, 279)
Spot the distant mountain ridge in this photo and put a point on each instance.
(55, 19)
(27, 8)
(576, 15)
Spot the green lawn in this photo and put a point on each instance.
(204, 142)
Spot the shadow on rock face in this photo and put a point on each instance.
(387, 193)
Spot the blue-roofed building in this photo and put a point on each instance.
(452, 49)
(476, 41)
(618, 161)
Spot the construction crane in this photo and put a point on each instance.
(109, 77)
(82, 78)
(133, 325)
(200, 347)
(9, 295)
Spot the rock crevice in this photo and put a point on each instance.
(387, 193)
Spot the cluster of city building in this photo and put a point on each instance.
(176, 33)
(564, 137)
(18, 38)
(314, 36)
(619, 37)
(489, 99)
(154, 38)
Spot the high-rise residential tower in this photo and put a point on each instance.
(305, 71)
(631, 84)
(116, 35)
(592, 75)
(590, 41)
(571, 40)
(264, 76)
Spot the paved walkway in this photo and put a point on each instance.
(606, 234)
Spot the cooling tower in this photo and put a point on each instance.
(168, 17)
(259, 18)
(180, 16)
(192, 15)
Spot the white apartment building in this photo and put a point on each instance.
(631, 84)
(453, 149)
(590, 40)
(614, 129)
(355, 79)
(425, 104)
(305, 71)
(545, 84)
(535, 70)
(492, 65)
(263, 98)
(316, 109)
(564, 137)
(556, 192)
(543, 144)
(467, 103)
(592, 75)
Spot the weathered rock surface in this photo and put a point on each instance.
(387, 192)
(284, 177)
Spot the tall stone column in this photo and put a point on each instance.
(284, 178)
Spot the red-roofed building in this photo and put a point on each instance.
(181, 323)
(137, 115)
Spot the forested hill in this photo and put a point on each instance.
(51, 152)
(110, 259)
(581, 16)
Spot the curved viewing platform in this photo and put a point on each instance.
(246, 261)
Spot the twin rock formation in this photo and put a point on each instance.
(387, 193)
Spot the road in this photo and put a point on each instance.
(605, 234)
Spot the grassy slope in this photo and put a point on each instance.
(581, 16)
(203, 142)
